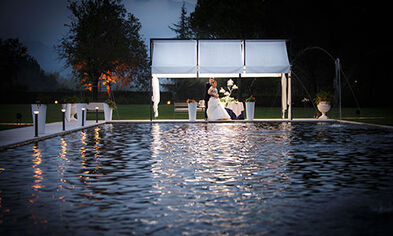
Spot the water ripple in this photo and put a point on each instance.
(201, 179)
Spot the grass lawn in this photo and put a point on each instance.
(142, 112)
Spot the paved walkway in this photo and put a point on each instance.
(20, 136)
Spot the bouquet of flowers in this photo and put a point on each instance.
(231, 86)
(190, 100)
(227, 99)
(250, 99)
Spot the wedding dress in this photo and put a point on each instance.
(215, 110)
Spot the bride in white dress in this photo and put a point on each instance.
(215, 110)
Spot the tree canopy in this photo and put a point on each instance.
(182, 28)
(104, 46)
(355, 32)
(20, 71)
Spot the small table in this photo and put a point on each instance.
(237, 108)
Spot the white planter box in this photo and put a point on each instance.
(41, 108)
(250, 107)
(79, 107)
(107, 112)
(70, 111)
(192, 108)
(323, 107)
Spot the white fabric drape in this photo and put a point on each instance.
(283, 94)
(156, 95)
(266, 56)
(174, 57)
(220, 57)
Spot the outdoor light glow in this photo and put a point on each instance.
(36, 112)
(63, 110)
(56, 102)
(96, 108)
(83, 108)
(168, 102)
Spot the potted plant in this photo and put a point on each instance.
(69, 104)
(192, 107)
(39, 108)
(323, 100)
(109, 106)
(250, 107)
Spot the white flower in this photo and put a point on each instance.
(234, 87)
(226, 94)
(222, 90)
(305, 100)
(230, 82)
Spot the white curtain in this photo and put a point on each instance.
(220, 57)
(266, 56)
(156, 95)
(174, 57)
(283, 94)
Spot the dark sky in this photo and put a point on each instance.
(39, 24)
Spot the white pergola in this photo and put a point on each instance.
(223, 58)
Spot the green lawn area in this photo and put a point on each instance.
(141, 112)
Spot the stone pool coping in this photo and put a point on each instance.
(21, 136)
(11, 138)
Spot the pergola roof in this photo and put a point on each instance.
(173, 58)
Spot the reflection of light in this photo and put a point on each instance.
(83, 141)
(97, 142)
(63, 156)
(37, 171)
(83, 154)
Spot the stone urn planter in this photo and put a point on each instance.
(41, 108)
(250, 108)
(79, 107)
(192, 110)
(108, 112)
(323, 107)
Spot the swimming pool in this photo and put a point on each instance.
(212, 178)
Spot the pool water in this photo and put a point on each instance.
(220, 178)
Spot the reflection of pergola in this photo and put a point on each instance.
(224, 58)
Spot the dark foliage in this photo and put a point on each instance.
(20, 71)
(317, 32)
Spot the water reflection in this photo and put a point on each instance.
(83, 177)
(210, 172)
(97, 142)
(200, 178)
(63, 164)
(36, 168)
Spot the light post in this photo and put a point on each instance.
(83, 116)
(96, 114)
(63, 111)
(36, 123)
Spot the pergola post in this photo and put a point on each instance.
(151, 99)
(289, 96)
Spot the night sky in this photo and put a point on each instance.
(39, 24)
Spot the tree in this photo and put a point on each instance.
(104, 46)
(353, 32)
(228, 19)
(182, 28)
(20, 71)
(12, 54)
